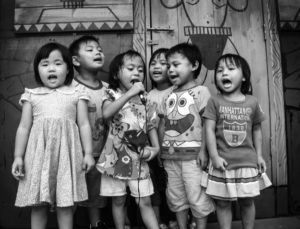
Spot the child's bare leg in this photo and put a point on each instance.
(156, 212)
(247, 212)
(39, 217)
(118, 211)
(94, 215)
(182, 217)
(200, 222)
(65, 217)
(224, 213)
(147, 212)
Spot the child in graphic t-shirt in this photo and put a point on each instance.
(234, 141)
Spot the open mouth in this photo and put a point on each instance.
(226, 83)
(134, 81)
(52, 77)
(98, 59)
(157, 72)
(172, 77)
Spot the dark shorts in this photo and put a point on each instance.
(93, 182)
(158, 177)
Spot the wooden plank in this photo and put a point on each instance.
(277, 126)
(139, 33)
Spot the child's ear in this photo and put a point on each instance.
(196, 65)
(75, 61)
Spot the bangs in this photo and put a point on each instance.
(231, 60)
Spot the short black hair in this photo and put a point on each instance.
(75, 45)
(116, 65)
(241, 63)
(44, 53)
(157, 54)
(190, 51)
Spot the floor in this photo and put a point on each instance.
(273, 223)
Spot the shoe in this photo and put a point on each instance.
(173, 225)
(192, 225)
(100, 225)
(163, 226)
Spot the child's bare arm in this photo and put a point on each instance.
(111, 108)
(22, 136)
(85, 135)
(202, 158)
(211, 143)
(152, 151)
(257, 141)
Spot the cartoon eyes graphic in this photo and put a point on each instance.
(182, 102)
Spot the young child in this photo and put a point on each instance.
(88, 59)
(234, 141)
(126, 151)
(161, 88)
(52, 171)
(183, 150)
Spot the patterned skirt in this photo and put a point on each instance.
(235, 183)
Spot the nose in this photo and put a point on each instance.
(51, 67)
(135, 72)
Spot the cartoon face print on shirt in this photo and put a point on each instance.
(180, 116)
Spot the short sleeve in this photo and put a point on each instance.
(83, 94)
(259, 115)
(210, 111)
(152, 116)
(204, 97)
(25, 97)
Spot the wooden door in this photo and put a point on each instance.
(219, 27)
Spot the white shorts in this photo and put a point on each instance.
(184, 190)
(115, 187)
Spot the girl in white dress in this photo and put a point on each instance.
(49, 161)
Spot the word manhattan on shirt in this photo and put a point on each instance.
(235, 113)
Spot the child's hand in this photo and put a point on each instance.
(88, 163)
(219, 163)
(202, 159)
(148, 153)
(261, 164)
(17, 169)
(136, 89)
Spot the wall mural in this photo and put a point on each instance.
(36, 16)
(211, 40)
(289, 14)
(212, 37)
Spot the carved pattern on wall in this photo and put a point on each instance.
(72, 16)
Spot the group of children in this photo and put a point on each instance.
(81, 140)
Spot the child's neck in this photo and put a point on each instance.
(189, 84)
(88, 78)
(163, 86)
(234, 97)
